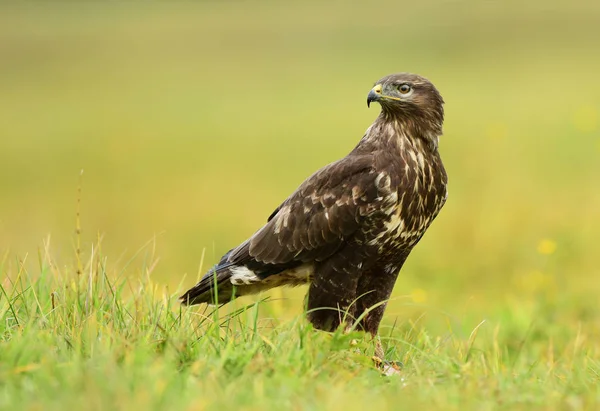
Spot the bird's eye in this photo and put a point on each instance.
(404, 88)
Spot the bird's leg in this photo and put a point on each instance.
(387, 367)
(332, 292)
(371, 318)
(370, 309)
(329, 315)
(379, 352)
(374, 289)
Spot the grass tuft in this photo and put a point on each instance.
(113, 342)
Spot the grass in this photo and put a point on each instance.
(192, 123)
(104, 340)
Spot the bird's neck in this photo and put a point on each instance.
(396, 132)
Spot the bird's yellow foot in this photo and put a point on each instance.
(387, 368)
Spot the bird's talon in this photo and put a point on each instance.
(378, 361)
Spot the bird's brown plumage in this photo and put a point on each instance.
(348, 229)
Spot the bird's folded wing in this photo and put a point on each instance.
(324, 212)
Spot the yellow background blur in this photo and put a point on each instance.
(193, 122)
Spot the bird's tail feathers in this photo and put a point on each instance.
(214, 288)
(228, 280)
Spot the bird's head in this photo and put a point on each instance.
(411, 100)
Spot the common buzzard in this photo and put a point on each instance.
(347, 230)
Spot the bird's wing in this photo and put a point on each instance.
(326, 210)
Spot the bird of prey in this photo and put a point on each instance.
(348, 229)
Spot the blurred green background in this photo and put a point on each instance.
(193, 122)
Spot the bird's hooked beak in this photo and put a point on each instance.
(374, 95)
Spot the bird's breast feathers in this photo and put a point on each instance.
(412, 204)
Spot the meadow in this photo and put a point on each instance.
(139, 143)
